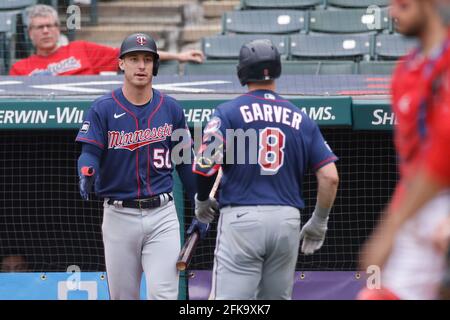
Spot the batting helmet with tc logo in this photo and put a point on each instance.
(140, 42)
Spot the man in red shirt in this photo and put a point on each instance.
(403, 246)
(75, 58)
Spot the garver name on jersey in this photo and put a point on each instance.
(139, 138)
(271, 113)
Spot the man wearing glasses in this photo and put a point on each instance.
(75, 58)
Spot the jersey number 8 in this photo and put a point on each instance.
(271, 145)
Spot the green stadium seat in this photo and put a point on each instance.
(24, 46)
(358, 3)
(314, 67)
(271, 4)
(393, 46)
(53, 3)
(228, 67)
(348, 21)
(3, 64)
(16, 4)
(211, 67)
(327, 46)
(376, 67)
(228, 46)
(168, 68)
(264, 21)
(8, 22)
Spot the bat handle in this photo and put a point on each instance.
(187, 251)
(87, 171)
(181, 265)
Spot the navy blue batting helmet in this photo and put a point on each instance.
(140, 42)
(259, 60)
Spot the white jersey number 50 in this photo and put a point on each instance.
(161, 158)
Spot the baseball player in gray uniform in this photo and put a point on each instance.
(126, 152)
(259, 226)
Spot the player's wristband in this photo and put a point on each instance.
(321, 213)
(87, 171)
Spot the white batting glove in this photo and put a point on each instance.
(313, 234)
(206, 210)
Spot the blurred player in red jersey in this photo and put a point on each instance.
(404, 244)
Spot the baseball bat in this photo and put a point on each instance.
(191, 243)
(187, 251)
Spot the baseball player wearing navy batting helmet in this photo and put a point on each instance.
(259, 226)
(126, 157)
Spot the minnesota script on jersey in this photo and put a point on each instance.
(140, 139)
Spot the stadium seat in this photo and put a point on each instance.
(228, 46)
(376, 67)
(228, 67)
(348, 21)
(264, 21)
(358, 3)
(393, 46)
(3, 65)
(24, 47)
(327, 67)
(8, 32)
(211, 67)
(168, 68)
(53, 3)
(16, 4)
(288, 4)
(321, 46)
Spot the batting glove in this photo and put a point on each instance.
(313, 234)
(206, 210)
(87, 179)
(201, 228)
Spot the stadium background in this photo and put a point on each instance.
(328, 43)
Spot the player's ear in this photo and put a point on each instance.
(121, 64)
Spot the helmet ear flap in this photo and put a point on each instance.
(155, 67)
(242, 73)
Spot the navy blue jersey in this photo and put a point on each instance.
(136, 143)
(271, 173)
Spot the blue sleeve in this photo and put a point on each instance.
(219, 121)
(320, 153)
(184, 169)
(179, 120)
(204, 186)
(90, 157)
(188, 180)
(212, 151)
(179, 123)
(91, 130)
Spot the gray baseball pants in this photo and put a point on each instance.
(256, 253)
(139, 241)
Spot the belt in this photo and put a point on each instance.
(148, 203)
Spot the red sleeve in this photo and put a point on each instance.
(15, 71)
(102, 58)
(396, 82)
(437, 154)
